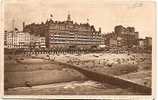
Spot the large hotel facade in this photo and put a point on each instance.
(67, 34)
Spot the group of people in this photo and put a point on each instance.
(127, 59)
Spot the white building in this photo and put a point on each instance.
(16, 39)
(12, 39)
(24, 39)
(42, 41)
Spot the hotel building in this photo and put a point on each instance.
(67, 34)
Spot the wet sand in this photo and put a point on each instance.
(71, 88)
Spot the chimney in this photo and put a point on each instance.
(99, 29)
(13, 24)
(23, 25)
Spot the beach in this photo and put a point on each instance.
(37, 74)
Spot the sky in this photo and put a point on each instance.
(101, 13)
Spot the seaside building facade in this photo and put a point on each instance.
(123, 37)
(67, 34)
(17, 39)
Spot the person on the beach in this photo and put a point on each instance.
(48, 57)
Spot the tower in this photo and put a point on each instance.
(69, 17)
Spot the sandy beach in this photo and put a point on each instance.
(28, 72)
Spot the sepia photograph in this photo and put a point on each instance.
(86, 47)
